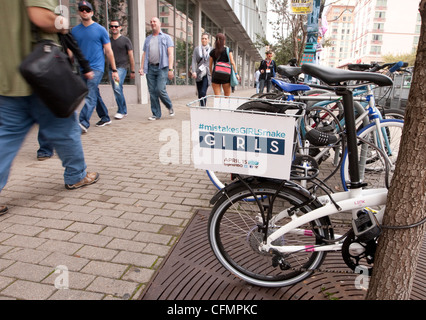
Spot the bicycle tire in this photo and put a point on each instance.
(234, 236)
(393, 114)
(374, 173)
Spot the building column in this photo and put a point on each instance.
(244, 71)
(138, 27)
(197, 23)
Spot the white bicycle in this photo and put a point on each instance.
(283, 236)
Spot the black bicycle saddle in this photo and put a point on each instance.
(289, 71)
(335, 77)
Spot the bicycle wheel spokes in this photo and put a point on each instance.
(236, 232)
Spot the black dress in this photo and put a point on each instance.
(222, 58)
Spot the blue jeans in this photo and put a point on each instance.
(262, 85)
(157, 80)
(118, 90)
(93, 100)
(17, 116)
(46, 149)
(202, 87)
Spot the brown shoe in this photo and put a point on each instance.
(90, 178)
(3, 210)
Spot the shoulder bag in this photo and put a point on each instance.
(48, 70)
(222, 71)
(234, 80)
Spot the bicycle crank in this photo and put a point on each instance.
(356, 258)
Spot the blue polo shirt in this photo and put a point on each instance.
(91, 41)
(164, 42)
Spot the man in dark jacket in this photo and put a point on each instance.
(267, 70)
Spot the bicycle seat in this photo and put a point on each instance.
(288, 71)
(335, 77)
(290, 87)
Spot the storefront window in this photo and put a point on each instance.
(177, 20)
(104, 12)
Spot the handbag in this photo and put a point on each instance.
(48, 70)
(234, 80)
(222, 71)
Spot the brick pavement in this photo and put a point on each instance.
(109, 237)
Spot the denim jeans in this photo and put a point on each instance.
(202, 87)
(46, 149)
(262, 85)
(18, 115)
(118, 90)
(157, 80)
(93, 100)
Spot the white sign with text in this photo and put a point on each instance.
(242, 143)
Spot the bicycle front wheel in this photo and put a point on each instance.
(376, 169)
(236, 229)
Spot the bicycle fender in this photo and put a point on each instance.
(257, 181)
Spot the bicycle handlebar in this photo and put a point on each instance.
(374, 67)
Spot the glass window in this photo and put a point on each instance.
(177, 20)
(104, 12)
(380, 14)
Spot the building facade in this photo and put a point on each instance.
(365, 30)
(185, 20)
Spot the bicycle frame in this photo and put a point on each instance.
(352, 200)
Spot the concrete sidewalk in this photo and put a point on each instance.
(104, 241)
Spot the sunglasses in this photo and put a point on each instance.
(85, 9)
(111, 26)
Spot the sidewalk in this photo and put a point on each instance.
(105, 241)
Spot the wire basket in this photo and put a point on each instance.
(248, 142)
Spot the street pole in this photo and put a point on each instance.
(309, 54)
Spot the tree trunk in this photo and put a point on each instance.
(398, 250)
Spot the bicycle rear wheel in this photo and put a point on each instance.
(375, 170)
(235, 230)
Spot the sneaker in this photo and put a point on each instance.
(89, 179)
(3, 210)
(152, 118)
(42, 158)
(119, 116)
(83, 128)
(103, 123)
(171, 112)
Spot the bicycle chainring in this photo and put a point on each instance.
(354, 258)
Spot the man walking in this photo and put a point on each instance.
(157, 64)
(200, 68)
(93, 39)
(20, 108)
(267, 70)
(123, 54)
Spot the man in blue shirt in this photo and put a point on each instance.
(157, 64)
(93, 39)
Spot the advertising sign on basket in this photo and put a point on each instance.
(242, 143)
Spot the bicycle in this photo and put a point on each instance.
(283, 236)
(314, 146)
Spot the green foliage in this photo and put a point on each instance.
(407, 57)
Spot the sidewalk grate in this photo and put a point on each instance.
(191, 272)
